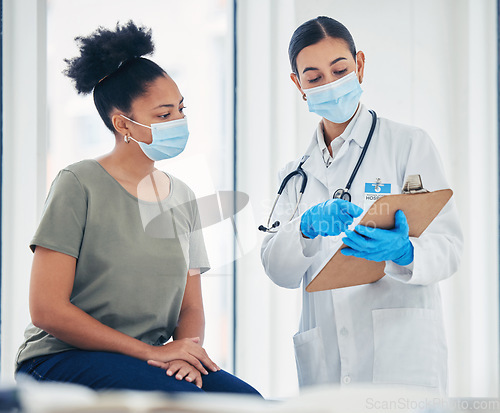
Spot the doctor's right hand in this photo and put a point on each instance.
(329, 218)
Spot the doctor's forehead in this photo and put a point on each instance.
(326, 52)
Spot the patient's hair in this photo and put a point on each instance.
(315, 30)
(110, 64)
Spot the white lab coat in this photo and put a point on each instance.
(390, 331)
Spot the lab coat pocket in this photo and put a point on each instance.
(405, 346)
(310, 357)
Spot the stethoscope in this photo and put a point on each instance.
(341, 193)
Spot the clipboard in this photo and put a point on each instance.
(420, 209)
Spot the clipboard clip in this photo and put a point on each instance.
(413, 185)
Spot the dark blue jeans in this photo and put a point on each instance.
(106, 371)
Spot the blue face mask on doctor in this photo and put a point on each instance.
(169, 139)
(336, 101)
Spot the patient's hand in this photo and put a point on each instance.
(181, 369)
(187, 349)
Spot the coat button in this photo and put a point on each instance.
(347, 379)
(344, 331)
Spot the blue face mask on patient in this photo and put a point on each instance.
(336, 101)
(169, 139)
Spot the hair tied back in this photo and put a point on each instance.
(104, 51)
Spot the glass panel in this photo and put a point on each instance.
(193, 42)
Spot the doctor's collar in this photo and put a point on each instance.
(348, 134)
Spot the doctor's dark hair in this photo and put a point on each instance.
(110, 65)
(315, 30)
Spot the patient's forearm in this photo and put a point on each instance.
(70, 324)
(191, 324)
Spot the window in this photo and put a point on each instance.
(193, 43)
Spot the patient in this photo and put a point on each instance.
(108, 290)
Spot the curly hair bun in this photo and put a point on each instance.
(102, 53)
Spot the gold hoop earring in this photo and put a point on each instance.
(304, 97)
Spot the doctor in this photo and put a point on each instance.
(390, 331)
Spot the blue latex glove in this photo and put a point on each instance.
(329, 218)
(377, 244)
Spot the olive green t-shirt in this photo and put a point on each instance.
(132, 255)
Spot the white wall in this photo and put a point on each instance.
(431, 63)
(267, 315)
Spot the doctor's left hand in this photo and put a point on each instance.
(377, 244)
